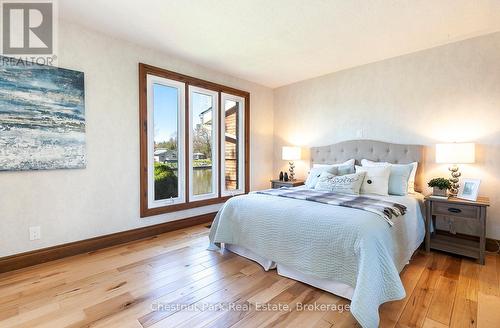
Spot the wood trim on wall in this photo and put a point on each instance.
(219, 144)
(143, 132)
(247, 143)
(144, 70)
(492, 245)
(22, 260)
(191, 80)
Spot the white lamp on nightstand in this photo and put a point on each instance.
(290, 154)
(455, 153)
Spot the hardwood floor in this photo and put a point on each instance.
(123, 286)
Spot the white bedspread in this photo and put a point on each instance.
(348, 245)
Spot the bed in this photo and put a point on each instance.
(346, 251)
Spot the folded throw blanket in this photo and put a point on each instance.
(386, 210)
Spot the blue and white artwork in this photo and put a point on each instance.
(42, 117)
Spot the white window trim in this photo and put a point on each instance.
(215, 134)
(241, 145)
(181, 166)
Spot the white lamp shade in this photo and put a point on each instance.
(456, 153)
(290, 153)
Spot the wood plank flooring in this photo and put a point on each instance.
(136, 284)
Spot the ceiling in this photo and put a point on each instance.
(278, 42)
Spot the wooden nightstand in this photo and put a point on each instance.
(456, 209)
(275, 184)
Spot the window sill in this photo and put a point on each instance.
(145, 212)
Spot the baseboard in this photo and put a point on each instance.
(22, 260)
(492, 245)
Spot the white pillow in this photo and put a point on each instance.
(398, 179)
(376, 179)
(336, 169)
(345, 184)
(411, 180)
(315, 173)
(347, 165)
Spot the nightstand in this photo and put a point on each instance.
(456, 209)
(275, 184)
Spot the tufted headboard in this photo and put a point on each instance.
(373, 150)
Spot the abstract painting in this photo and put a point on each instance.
(42, 117)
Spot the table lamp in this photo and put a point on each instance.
(453, 154)
(290, 154)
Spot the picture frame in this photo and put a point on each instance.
(469, 189)
(42, 117)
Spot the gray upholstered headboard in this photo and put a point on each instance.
(373, 150)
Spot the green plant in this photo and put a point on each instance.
(440, 183)
(165, 181)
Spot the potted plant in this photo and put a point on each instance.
(440, 186)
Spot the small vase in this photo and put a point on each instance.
(439, 192)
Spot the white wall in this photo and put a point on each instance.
(448, 93)
(71, 205)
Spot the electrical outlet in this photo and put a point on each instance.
(35, 233)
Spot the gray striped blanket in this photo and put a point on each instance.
(386, 210)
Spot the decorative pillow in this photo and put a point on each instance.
(315, 173)
(345, 184)
(344, 168)
(411, 179)
(376, 179)
(398, 180)
(335, 169)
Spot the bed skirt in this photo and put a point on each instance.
(331, 286)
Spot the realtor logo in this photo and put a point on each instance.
(28, 28)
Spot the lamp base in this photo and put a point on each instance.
(291, 170)
(455, 175)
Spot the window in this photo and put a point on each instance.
(194, 141)
(233, 142)
(203, 149)
(165, 141)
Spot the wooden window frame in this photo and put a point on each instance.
(144, 71)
